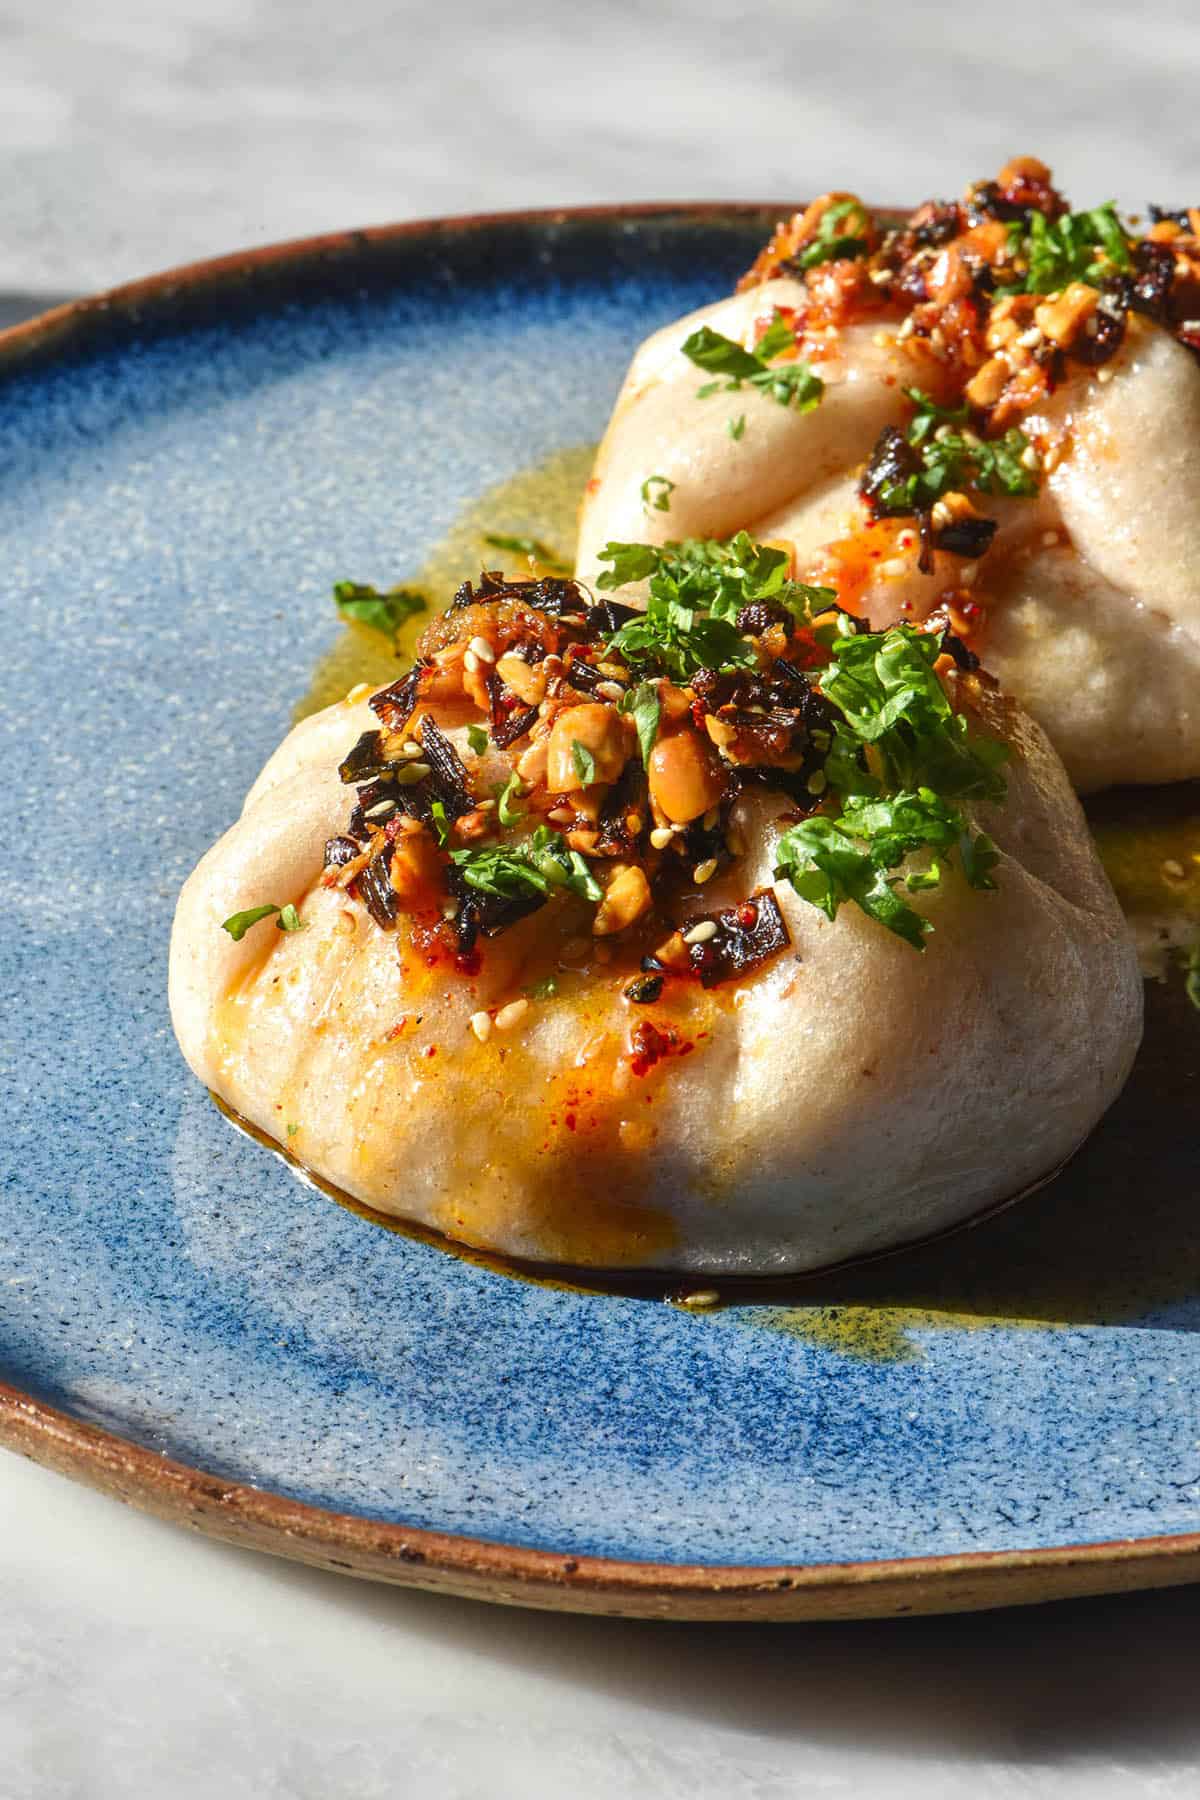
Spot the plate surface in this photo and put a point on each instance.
(186, 470)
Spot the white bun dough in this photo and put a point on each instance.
(1092, 588)
(851, 1096)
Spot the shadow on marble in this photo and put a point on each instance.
(1110, 1678)
(15, 307)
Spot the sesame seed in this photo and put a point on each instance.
(572, 619)
(704, 871)
(894, 567)
(905, 331)
(940, 513)
(701, 933)
(471, 663)
(1172, 870)
(562, 815)
(511, 1015)
(380, 810)
(942, 433)
(411, 773)
(712, 818)
(661, 836)
(817, 782)
(881, 278)
(358, 692)
(1104, 376)
(701, 1298)
(450, 909)
(411, 748)
(1030, 458)
(937, 338)
(1050, 539)
(481, 649)
(481, 1025)
(1029, 340)
(610, 690)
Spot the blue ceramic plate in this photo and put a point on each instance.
(187, 467)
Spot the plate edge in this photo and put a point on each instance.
(349, 1544)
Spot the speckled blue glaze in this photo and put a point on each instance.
(176, 497)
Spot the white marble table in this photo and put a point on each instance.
(136, 1661)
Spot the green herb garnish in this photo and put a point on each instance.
(645, 708)
(952, 458)
(1083, 246)
(385, 610)
(545, 989)
(508, 814)
(656, 492)
(540, 864)
(238, 924)
(675, 639)
(292, 1129)
(832, 245)
(440, 823)
(718, 576)
(584, 761)
(737, 428)
(788, 384)
(900, 758)
(477, 739)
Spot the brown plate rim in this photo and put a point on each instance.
(256, 1518)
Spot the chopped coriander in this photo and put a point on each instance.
(937, 455)
(675, 639)
(899, 800)
(832, 245)
(644, 706)
(292, 1129)
(630, 562)
(477, 739)
(890, 697)
(778, 337)
(584, 761)
(656, 492)
(439, 822)
(737, 428)
(826, 867)
(1083, 246)
(508, 814)
(718, 355)
(545, 989)
(238, 924)
(788, 384)
(541, 864)
(720, 576)
(529, 546)
(384, 611)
